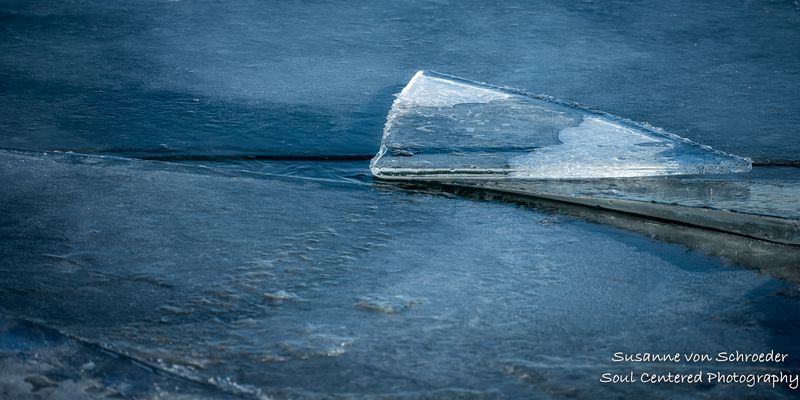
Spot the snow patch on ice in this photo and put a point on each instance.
(433, 91)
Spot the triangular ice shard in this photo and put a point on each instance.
(443, 127)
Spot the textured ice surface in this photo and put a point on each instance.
(444, 127)
(259, 285)
(39, 363)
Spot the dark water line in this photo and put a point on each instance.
(354, 157)
(260, 157)
(137, 154)
(296, 157)
(776, 163)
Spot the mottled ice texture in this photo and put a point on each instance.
(252, 286)
(446, 127)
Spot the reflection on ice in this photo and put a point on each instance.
(442, 127)
(758, 207)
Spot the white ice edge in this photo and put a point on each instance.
(442, 92)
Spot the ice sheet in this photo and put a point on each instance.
(443, 127)
(307, 288)
(198, 77)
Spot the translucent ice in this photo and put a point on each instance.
(446, 127)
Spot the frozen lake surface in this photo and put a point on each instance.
(313, 77)
(240, 278)
(288, 287)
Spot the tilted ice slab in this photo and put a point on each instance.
(443, 127)
(448, 131)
